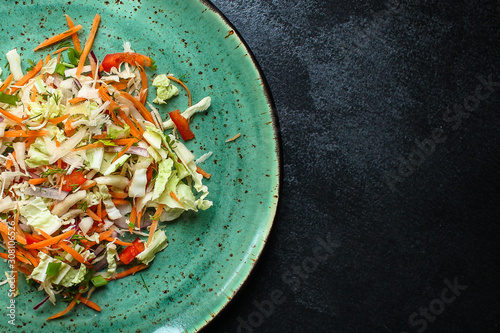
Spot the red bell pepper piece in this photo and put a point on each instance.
(134, 59)
(131, 251)
(182, 125)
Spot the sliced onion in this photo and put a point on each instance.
(98, 250)
(41, 303)
(132, 150)
(47, 192)
(101, 264)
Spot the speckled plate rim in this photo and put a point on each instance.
(246, 270)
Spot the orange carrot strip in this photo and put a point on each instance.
(50, 241)
(59, 119)
(133, 215)
(20, 258)
(68, 308)
(74, 36)
(119, 195)
(123, 142)
(105, 234)
(37, 181)
(128, 272)
(203, 172)
(10, 162)
(117, 241)
(90, 146)
(133, 130)
(90, 304)
(139, 216)
(93, 215)
(47, 59)
(139, 127)
(172, 194)
(7, 81)
(11, 116)
(121, 152)
(156, 218)
(24, 134)
(120, 202)
(88, 44)
(57, 38)
(27, 77)
(68, 129)
(140, 107)
(5, 229)
(120, 85)
(34, 261)
(183, 86)
(77, 100)
(60, 50)
(88, 184)
(144, 86)
(72, 252)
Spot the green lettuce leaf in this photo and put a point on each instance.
(164, 89)
(39, 216)
(158, 243)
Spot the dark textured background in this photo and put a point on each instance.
(358, 87)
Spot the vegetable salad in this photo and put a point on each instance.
(87, 172)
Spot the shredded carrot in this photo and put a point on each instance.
(72, 252)
(139, 127)
(74, 36)
(144, 86)
(51, 241)
(133, 130)
(100, 136)
(10, 161)
(24, 134)
(120, 202)
(88, 44)
(7, 81)
(90, 146)
(124, 150)
(93, 215)
(76, 100)
(11, 116)
(33, 93)
(31, 74)
(184, 86)
(89, 303)
(139, 216)
(37, 181)
(123, 142)
(5, 229)
(57, 38)
(133, 215)
(119, 195)
(123, 84)
(129, 271)
(68, 129)
(20, 258)
(34, 261)
(203, 172)
(140, 107)
(172, 194)
(62, 49)
(59, 119)
(47, 59)
(105, 234)
(117, 241)
(156, 218)
(70, 306)
(88, 184)
(23, 270)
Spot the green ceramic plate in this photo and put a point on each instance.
(210, 254)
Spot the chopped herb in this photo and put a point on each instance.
(83, 206)
(60, 68)
(153, 64)
(49, 172)
(63, 44)
(32, 65)
(107, 142)
(145, 285)
(60, 258)
(131, 225)
(9, 99)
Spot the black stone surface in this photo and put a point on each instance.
(389, 115)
